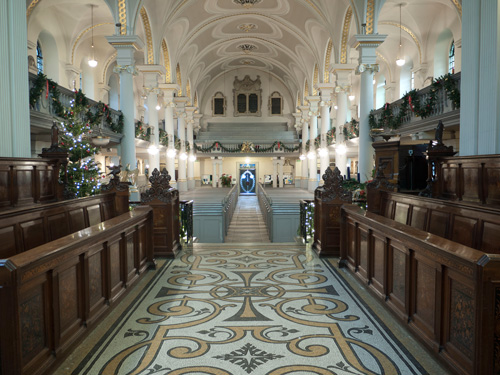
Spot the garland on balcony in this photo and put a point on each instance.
(411, 102)
(351, 129)
(240, 147)
(42, 82)
(142, 132)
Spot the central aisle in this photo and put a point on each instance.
(231, 309)
(248, 224)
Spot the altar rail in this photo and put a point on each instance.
(54, 294)
(443, 110)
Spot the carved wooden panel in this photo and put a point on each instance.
(6, 193)
(398, 276)
(108, 210)
(438, 224)
(464, 230)
(388, 212)
(130, 256)
(419, 218)
(33, 233)
(492, 184)
(8, 241)
(76, 220)
(58, 226)
(96, 290)
(424, 308)
(69, 298)
(470, 189)
(94, 213)
(45, 183)
(449, 181)
(26, 186)
(160, 218)
(401, 213)
(363, 253)
(115, 268)
(141, 251)
(352, 257)
(490, 241)
(462, 318)
(379, 260)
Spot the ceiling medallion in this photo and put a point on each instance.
(247, 3)
(247, 62)
(247, 47)
(246, 27)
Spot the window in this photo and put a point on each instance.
(451, 59)
(219, 104)
(247, 96)
(275, 104)
(39, 57)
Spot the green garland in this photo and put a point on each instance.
(238, 148)
(80, 100)
(411, 101)
(141, 132)
(351, 129)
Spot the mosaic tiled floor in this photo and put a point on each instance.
(261, 309)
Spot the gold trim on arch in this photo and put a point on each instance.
(409, 32)
(122, 14)
(81, 35)
(326, 73)
(387, 63)
(179, 78)
(31, 7)
(196, 99)
(149, 38)
(370, 15)
(166, 60)
(345, 36)
(458, 6)
(315, 80)
(188, 89)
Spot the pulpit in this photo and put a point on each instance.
(164, 200)
(328, 200)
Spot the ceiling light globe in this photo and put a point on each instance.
(92, 63)
(400, 62)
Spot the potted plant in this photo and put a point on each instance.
(226, 180)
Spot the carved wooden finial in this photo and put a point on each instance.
(333, 187)
(160, 187)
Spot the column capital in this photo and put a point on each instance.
(152, 74)
(326, 90)
(125, 46)
(366, 46)
(169, 89)
(313, 103)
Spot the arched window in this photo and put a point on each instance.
(451, 58)
(275, 104)
(39, 57)
(219, 104)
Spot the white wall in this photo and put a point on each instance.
(441, 52)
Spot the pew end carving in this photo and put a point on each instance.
(164, 199)
(328, 200)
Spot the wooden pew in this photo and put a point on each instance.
(447, 293)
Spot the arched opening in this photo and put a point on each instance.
(441, 53)
(50, 55)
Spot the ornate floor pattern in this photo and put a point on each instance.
(236, 309)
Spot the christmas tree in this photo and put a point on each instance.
(82, 172)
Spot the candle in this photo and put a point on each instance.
(348, 173)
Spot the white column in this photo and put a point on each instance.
(189, 133)
(342, 72)
(313, 133)
(197, 171)
(126, 45)
(305, 137)
(366, 45)
(181, 133)
(152, 75)
(480, 93)
(326, 97)
(14, 106)
(275, 173)
(280, 173)
(298, 165)
(219, 163)
(168, 97)
(215, 177)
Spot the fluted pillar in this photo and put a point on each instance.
(305, 138)
(14, 90)
(325, 104)
(181, 133)
(152, 75)
(125, 46)
(366, 46)
(341, 72)
(191, 158)
(313, 133)
(168, 98)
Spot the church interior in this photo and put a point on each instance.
(249, 186)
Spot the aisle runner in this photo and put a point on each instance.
(270, 310)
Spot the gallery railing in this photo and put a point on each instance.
(186, 216)
(442, 108)
(215, 147)
(306, 228)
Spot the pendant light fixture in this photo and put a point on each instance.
(92, 61)
(400, 61)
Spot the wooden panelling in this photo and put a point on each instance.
(464, 230)
(57, 291)
(58, 226)
(77, 219)
(490, 240)
(379, 264)
(438, 223)
(447, 293)
(471, 191)
(419, 218)
(450, 183)
(491, 182)
(363, 266)
(33, 233)
(401, 212)
(9, 241)
(94, 214)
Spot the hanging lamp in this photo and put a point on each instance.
(400, 61)
(92, 61)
